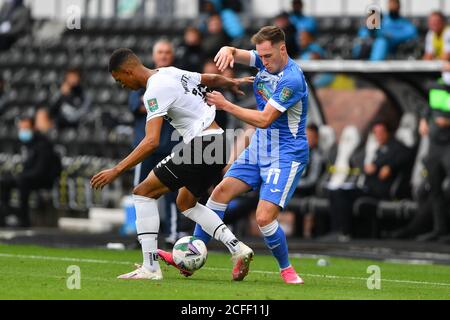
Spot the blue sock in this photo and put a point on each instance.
(275, 240)
(219, 209)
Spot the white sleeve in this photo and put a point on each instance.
(252, 58)
(429, 43)
(193, 76)
(157, 101)
(447, 41)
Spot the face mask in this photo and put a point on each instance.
(25, 135)
(394, 14)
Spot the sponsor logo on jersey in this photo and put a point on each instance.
(263, 91)
(285, 94)
(152, 105)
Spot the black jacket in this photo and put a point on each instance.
(69, 110)
(393, 154)
(41, 161)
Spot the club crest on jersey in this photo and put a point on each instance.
(152, 105)
(285, 94)
(264, 91)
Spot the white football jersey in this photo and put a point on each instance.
(180, 96)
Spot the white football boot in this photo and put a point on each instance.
(142, 273)
(241, 262)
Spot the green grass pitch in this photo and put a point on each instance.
(32, 272)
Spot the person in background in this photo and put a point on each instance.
(437, 41)
(309, 50)
(282, 21)
(70, 105)
(190, 55)
(41, 167)
(15, 20)
(215, 37)
(435, 123)
(390, 158)
(163, 56)
(394, 30)
(228, 10)
(299, 20)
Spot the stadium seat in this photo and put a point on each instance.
(327, 138)
(349, 141)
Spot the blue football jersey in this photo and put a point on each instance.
(287, 91)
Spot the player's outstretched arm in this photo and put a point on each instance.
(259, 119)
(146, 147)
(227, 56)
(219, 81)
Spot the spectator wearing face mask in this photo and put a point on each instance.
(41, 167)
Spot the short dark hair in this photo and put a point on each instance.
(73, 70)
(440, 14)
(383, 123)
(282, 15)
(119, 57)
(26, 117)
(269, 33)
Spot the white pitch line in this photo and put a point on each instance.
(7, 255)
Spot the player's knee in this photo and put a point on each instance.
(263, 220)
(142, 190)
(221, 194)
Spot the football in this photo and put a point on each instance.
(190, 253)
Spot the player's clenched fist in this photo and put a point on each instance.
(217, 99)
(103, 178)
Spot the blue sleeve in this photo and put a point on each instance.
(306, 24)
(317, 49)
(363, 32)
(289, 91)
(311, 25)
(400, 32)
(232, 24)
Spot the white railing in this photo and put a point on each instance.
(58, 9)
(370, 67)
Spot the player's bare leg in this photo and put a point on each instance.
(227, 190)
(147, 225)
(214, 226)
(275, 239)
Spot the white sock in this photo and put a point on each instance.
(147, 226)
(269, 229)
(216, 206)
(213, 225)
